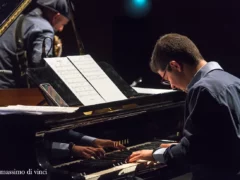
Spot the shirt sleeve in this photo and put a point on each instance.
(67, 136)
(79, 138)
(34, 43)
(88, 140)
(158, 155)
(60, 150)
(56, 149)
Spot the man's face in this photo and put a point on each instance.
(175, 77)
(58, 22)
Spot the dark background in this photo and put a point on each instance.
(110, 34)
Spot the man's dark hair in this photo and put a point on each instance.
(174, 47)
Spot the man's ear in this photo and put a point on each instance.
(55, 17)
(176, 66)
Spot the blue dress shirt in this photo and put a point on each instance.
(211, 134)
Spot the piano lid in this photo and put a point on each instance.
(9, 11)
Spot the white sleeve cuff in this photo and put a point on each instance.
(60, 149)
(158, 155)
(88, 139)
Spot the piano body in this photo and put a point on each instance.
(142, 122)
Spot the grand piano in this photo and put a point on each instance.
(142, 121)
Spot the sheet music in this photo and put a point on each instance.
(74, 80)
(152, 90)
(97, 77)
(36, 110)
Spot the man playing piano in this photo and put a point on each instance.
(211, 134)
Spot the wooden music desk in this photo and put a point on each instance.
(23, 96)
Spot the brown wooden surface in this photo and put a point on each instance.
(31, 96)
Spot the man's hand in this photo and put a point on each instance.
(103, 143)
(141, 155)
(167, 145)
(87, 152)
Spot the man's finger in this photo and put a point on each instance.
(120, 146)
(134, 159)
(166, 145)
(115, 144)
(86, 155)
(96, 152)
(100, 152)
(135, 153)
(90, 151)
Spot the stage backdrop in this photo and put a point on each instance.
(113, 32)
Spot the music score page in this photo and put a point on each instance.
(74, 80)
(97, 78)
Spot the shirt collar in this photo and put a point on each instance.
(36, 12)
(210, 66)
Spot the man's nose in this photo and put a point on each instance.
(61, 29)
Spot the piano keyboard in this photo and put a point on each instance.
(124, 169)
(113, 163)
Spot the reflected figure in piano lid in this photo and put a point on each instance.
(212, 111)
(97, 151)
(68, 143)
